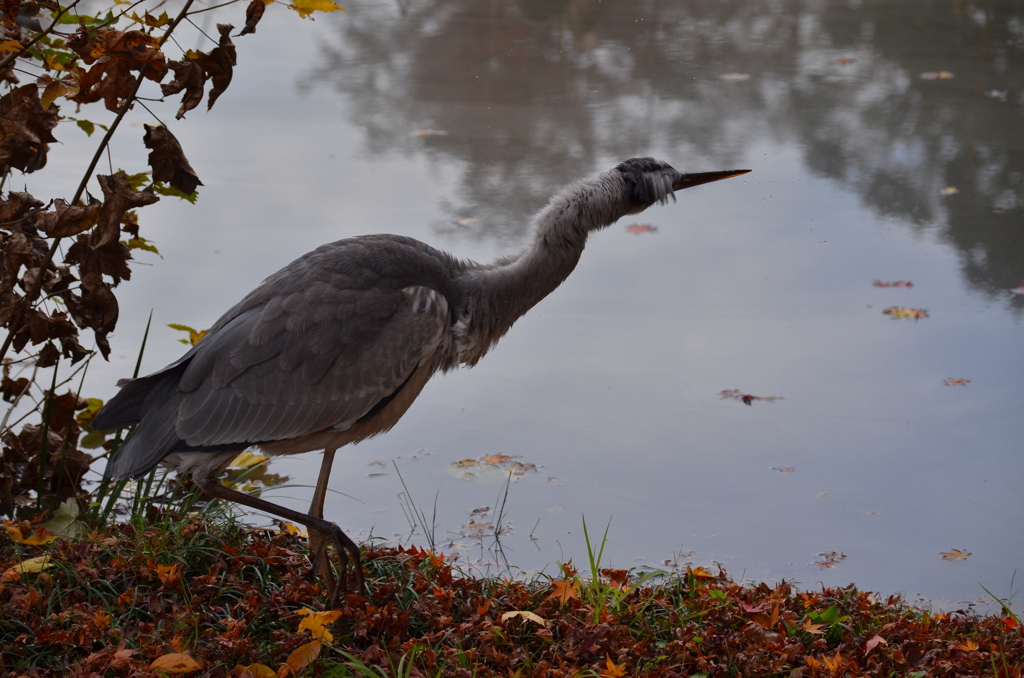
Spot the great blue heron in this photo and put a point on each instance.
(334, 347)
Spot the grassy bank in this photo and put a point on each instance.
(203, 599)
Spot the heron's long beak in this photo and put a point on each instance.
(698, 178)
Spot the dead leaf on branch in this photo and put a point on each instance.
(188, 76)
(17, 206)
(64, 87)
(114, 55)
(253, 14)
(25, 130)
(168, 161)
(67, 220)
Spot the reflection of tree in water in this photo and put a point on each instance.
(533, 93)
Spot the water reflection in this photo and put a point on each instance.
(522, 96)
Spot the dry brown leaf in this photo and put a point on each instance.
(168, 161)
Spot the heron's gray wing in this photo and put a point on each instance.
(305, 361)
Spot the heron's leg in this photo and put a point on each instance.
(204, 477)
(317, 544)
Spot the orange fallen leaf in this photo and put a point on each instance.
(175, 663)
(813, 629)
(39, 537)
(700, 573)
(612, 670)
(619, 579)
(968, 646)
(169, 574)
(564, 591)
(300, 659)
(496, 458)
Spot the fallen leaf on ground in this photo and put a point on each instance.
(300, 659)
(37, 564)
(525, 614)
(175, 663)
(874, 642)
(613, 670)
(315, 622)
(564, 591)
(38, 537)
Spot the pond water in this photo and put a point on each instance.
(886, 142)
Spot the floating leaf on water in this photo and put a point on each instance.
(746, 398)
(829, 560)
(734, 77)
(997, 94)
(637, 229)
(900, 312)
(247, 460)
(949, 190)
(895, 283)
(936, 75)
(957, 382)
(784, 469)
(954, 554)
(430, 133)
(466, 221)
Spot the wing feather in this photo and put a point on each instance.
(306, 366)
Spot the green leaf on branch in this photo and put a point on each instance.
(164, 189)
(142, 244)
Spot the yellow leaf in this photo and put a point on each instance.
(700, 573)
(175, 663)
(969, 646)
(307, 7)
(40, 537)
(37, 564)
(525, 614)
(496, 458)
(57, 88)
(315, 621)
(247, 459)
(300, 658)
(11, 46)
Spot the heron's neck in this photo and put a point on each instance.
(501, 292)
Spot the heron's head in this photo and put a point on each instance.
(648, 181)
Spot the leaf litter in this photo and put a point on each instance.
(178, 594)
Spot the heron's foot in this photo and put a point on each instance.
(322, 563)
(346, 550)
